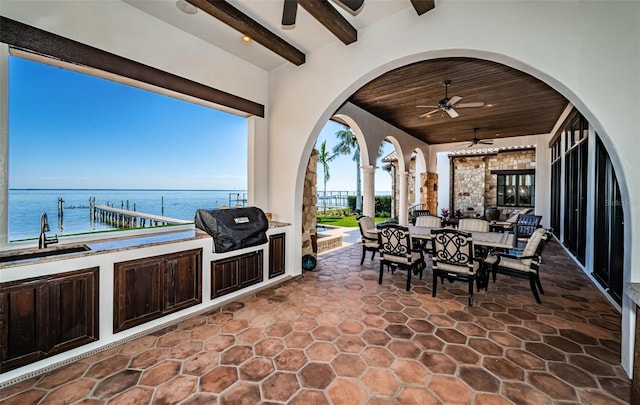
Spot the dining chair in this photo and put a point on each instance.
(369, 240)
(526, 265)
(473, 225)
(453, 259)
(396, 251)
(429, 221)
(507, 224)
(419, 213)
(523, 228)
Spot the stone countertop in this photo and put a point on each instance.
(18, 257)
(633, 291)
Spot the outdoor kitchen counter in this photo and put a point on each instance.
(32, 255)
(122, 288)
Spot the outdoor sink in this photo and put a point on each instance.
(30, 254)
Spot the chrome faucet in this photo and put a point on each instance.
(43, 241)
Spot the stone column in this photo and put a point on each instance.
(403, 208)
(309, 204)
(368, 191)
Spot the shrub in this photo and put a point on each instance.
(383, 204)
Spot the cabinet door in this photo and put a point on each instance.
(44, 316)
(24, 322)
(224, 276)
(234, 273)
(137, 289)
(73, 309)
(276, 255)
(251, 269)
(182, 287)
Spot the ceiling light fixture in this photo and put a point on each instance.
(246, 39)
(186, 7)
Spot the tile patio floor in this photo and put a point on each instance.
(334, 336)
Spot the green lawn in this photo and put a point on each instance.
(347, 222)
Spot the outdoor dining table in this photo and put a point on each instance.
(486, 240)
(490, 240)
(495, 240)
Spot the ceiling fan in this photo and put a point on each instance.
(476, 140)
(448, 104)
(291, 6)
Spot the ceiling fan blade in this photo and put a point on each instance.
(289, 11)
(470, 105)
(353, 5)
(452, 113)
(486, 142)
(429, 113)
(454, 100)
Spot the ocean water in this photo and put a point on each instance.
(26, 206)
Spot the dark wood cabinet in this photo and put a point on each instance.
(277, 255)
(149, 288)
(234, 273)
(44, 316)
(182, 281)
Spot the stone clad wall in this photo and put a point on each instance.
(429, 195)
(474, 185)
(469, 182)
(309, 203)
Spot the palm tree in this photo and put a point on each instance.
(324, 158)
(348, 142)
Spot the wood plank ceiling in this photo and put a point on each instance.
(515, 102)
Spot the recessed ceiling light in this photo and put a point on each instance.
(186, 7)
(497, 134)
(246, 39)
(489, 105)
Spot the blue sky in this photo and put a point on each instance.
(72, 130)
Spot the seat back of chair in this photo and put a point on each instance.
(473, 225)
(452, 248)
(526, 225)
(534, 245)
(395, 243)
(429, 221)
(514, 218)
(365, 223)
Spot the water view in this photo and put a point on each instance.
(26, 206)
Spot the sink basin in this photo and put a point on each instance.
(31, 254)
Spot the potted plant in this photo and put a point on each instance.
(445, 213)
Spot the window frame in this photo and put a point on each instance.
(517, 176)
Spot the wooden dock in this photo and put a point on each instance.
(121, 218)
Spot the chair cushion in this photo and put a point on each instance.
(532, 245)
(456, 269)
(370, 243)
(415, 257)
(514, 264)
(473, 225)
(429, 221)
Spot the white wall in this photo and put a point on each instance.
(119, 28)
(571, 45)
